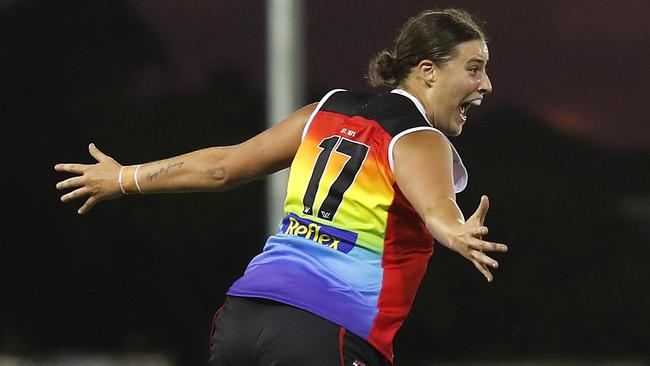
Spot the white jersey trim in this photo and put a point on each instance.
(318, 107)
(415, 101)
(391, 146)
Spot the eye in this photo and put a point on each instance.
(474, 70)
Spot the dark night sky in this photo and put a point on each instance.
(579, 65)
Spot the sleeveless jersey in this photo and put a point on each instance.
(351, 248)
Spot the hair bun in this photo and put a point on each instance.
(382, 70)
(387, 64)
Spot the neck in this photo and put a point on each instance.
(419, 93)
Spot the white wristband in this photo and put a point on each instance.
(119, 180)
(135, 177)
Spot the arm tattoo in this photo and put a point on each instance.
(164, 170)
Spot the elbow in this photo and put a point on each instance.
(218, 178)
(227, 169)
(224, 176)
(222, 169)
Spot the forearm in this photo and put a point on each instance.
(444, 220)
(201, 170)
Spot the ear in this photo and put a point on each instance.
(427, 71)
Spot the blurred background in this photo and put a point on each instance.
(561, 147)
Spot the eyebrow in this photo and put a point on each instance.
(476, 59)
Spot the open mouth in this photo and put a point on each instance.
(464, 107)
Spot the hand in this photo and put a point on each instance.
(469, 242)
(98, 181)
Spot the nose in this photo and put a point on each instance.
(485, 86)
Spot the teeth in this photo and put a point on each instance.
(465, 106)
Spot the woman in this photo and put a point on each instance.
(372, 183)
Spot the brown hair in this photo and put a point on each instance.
(431, 35)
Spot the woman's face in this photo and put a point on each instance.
(459, 83)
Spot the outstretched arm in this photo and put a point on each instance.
(209, 169)
(423, 171)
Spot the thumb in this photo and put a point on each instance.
(96, 153)
(482, 210)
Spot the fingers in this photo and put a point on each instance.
(81, 168)
(90, 202)
(488, 246)
(483, 259)
(79, 182)
(71, 168)
(70, 183)
(77, 193)
(479, 232)
(483, 269)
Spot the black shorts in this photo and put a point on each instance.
(259, 332)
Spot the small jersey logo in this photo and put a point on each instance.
(348, 132)
(332, 237)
